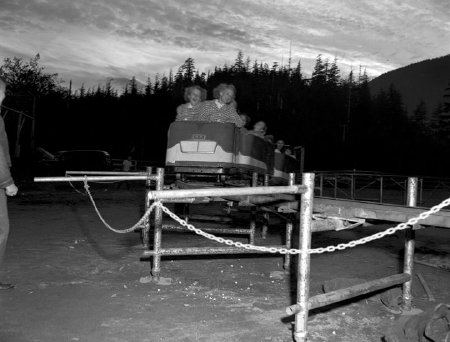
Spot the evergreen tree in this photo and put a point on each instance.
(164, 89)
(82, 91)
(440, 124)
(333, 73)
(134, 90)
(188, 69)
(109, 91)
(148, 87)
(239, 65)
(156, 85)
(446, 102)
(420, 114)
(319, 76)
(247, 64)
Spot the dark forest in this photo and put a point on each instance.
(336, 119)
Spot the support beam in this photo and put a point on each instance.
(230, 231)
(204, 251)
(376, 211)
(350, 292)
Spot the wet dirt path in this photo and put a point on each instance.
(77, 281)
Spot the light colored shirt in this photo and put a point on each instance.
(126, 165)
(214, 111)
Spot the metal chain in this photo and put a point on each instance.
(320, 250)
(341, 246)
(119, 231)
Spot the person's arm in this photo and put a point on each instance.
(237, 120)
(5, 175)
(4, 141)
(11, 190)
(5, 160)
(6, 181)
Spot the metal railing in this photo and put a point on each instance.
(379, 187)
(304, 301)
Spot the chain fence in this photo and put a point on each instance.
(401, 226)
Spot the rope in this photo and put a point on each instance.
(119, 231)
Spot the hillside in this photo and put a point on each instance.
(425, 80)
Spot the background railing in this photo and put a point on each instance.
(137, 165)
(378, 187)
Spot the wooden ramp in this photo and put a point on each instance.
(376, 211)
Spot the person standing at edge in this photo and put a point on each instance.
(7, 186)
(127, 164)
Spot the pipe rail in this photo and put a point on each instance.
(94, 178)
(107, 173)
(304, 302)
(223, 192)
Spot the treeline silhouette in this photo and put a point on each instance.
(337, 120)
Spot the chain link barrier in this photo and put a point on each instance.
(401, 226)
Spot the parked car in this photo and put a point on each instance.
(58, 163)
(83, 160)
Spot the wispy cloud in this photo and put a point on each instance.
(100, 38)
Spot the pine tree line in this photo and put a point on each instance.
(337, 120)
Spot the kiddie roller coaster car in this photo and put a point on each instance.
(209, 148)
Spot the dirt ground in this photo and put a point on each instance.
(77, 281)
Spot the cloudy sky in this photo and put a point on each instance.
(88, 41)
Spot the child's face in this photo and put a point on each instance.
(260, 127)
(227, 96)
(194, 96)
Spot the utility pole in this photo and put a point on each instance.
(33, 128)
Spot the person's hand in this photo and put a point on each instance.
(11, 190)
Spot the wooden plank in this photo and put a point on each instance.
(376, 211)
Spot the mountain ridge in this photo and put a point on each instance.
(422, 81)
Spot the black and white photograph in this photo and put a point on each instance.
(224, 171)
